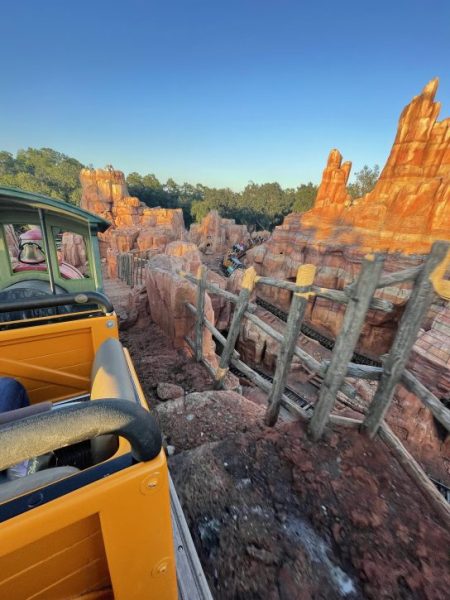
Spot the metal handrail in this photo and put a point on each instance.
(79, 299)
(36, 435)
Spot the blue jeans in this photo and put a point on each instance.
(12, 394)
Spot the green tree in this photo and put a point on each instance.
(44, 171)
(303, 197)
(263, 205)
(365, 181)
(7, 163)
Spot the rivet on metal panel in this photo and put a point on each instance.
(161, 567)
(150, 483)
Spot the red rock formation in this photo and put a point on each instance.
(73, 250)
(409, 207)
(134, 226)
(215, 234)
(415, 426)
(167, 295)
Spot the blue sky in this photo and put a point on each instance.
(217, 92)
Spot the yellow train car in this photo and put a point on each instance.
(85, 495)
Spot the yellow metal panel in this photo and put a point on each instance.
(133, 509)
(61, 562)
(53, 361)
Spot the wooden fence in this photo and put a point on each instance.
(130, 266)
(358, 298)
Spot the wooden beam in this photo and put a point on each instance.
(266, 386)
(440, 412)
(408, 329)
(334, 295)
(345, 421)
(311, 363)
(356, 370)
(399, 277)
(416, 473)
(305, 278)
(248, 283)
(215, 289)
(346, 341)
(201, 282)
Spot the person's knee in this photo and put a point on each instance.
(13, 395)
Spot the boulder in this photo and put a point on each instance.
(217, 235)
(203, 417)
(169, 391)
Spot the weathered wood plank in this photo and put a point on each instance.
(415, 472)
(311, 363)
(201, 288)
(356, 370)
(345, 421)
(392, 279)
(291, 407)
(248, 283)
(440, 412)
(333, 295)
(346, 341)
(399, 277)
(192, 584)
(305, 278)
(408, 329)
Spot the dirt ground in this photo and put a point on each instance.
(276, 517)
(157, 361)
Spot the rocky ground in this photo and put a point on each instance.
(275, 516)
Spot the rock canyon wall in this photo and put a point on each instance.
(409, 207)
(407, 211)
(217, 235)
(134, 225)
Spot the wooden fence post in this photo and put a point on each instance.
(199, 323)
(408, 329)
(346, 341)
(305, 278)
(119, 266)
(248, 283)
(130, 269)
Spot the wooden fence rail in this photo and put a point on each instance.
(130, 267)
(346, 341)
(358, 298)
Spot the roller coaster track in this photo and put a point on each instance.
(442, 488)
(306, 329)
(288, 391)
(315, 335)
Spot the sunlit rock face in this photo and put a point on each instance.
(168, 294)
(407, 211)
(134, 226)
(409, 207)
(215, 234)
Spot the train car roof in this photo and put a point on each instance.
(15, 199)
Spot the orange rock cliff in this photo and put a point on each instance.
(409, 208)
(134, 225)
